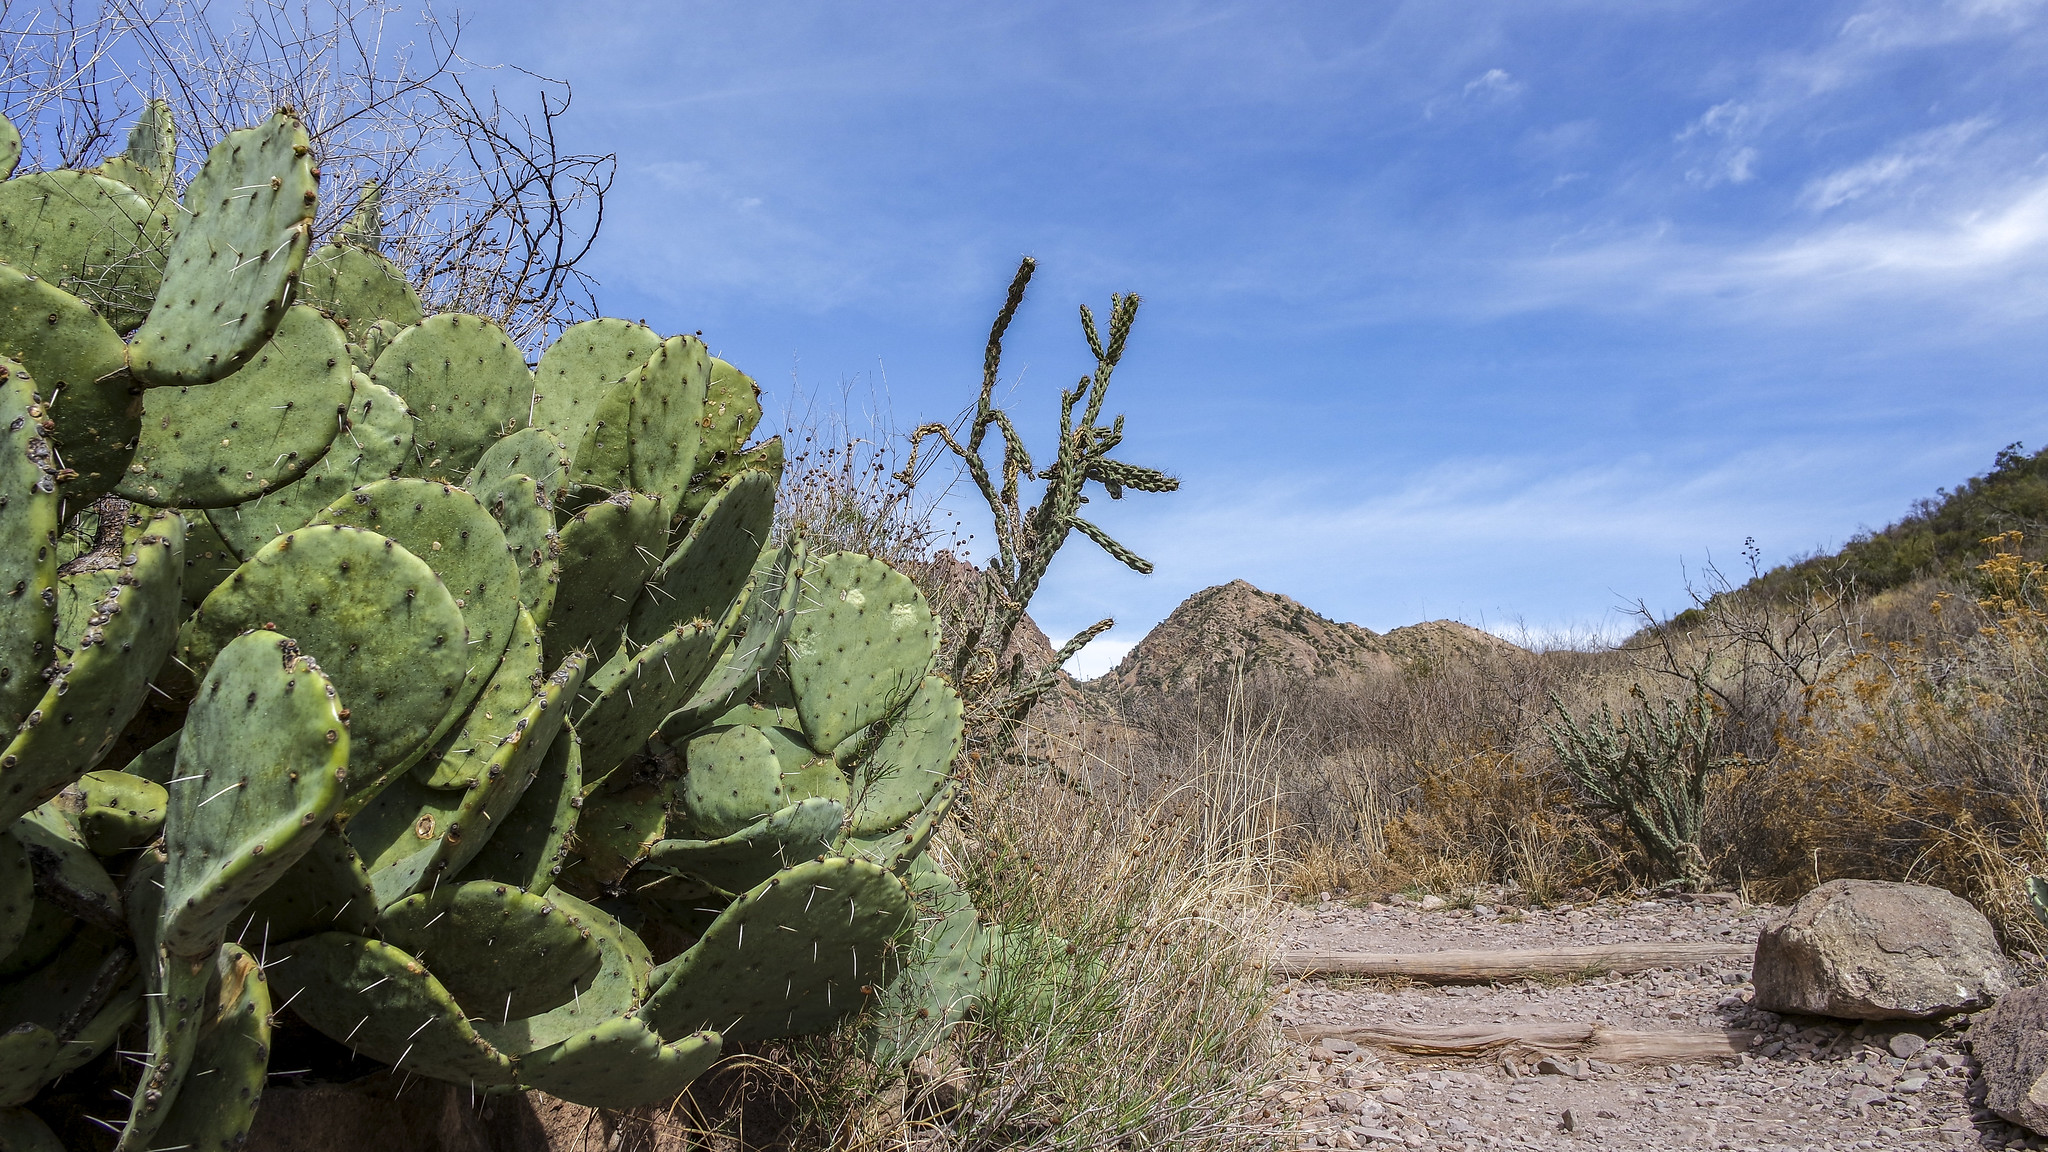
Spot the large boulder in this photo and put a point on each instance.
(2010, 1043)
(1875, 950)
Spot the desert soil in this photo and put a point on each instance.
(1812, 1084)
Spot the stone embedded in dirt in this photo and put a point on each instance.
(1875, 950)
(2010, 1043)
(1906, 1045)
(1432, 903)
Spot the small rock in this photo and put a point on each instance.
(1393, 1094)
(1863, 1096)
(1339, 1047)
(1433, 902)
(1906, 1045)
(1876, 950)
(1568, 1121)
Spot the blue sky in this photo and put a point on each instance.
(1509, 312)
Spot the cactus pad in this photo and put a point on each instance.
(911, 761)
(258, 429)
(80, 366)
(526, 518)
(580, 367)
(529, 452)
(705, 572)
(116, 812)
(464, 380)
(620, 821)
(379, 1000)
(373, 445)
(102, 686)
(326, 891)
(734, 780)
(358, 287)
(897, 848)
(620, 1064)
(823, 931)
(375, 617)
(217, 1103)
(630, 695)
(10, 147)
(754, 853)
(531, 843)
(771, 608)
(668, 415)
(496, 719)
(260, 767)
(26, 1051)
(446, 527)
(17, 894)
(943, 971)
(619, 985)
(246, 227)
(732, 408)
(495, 947)
(859, 647)
(96, 238)
(28, 550)
(151, 156)
(608, 549)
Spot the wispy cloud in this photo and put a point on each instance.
(1935, 148)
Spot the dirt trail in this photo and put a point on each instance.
(1810, 1084)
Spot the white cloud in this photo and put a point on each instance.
(1720, 133)
(1918, 152)
(1494, 83)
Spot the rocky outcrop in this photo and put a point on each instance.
(2010, 1043)
(1875, 950)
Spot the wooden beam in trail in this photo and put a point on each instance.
(1550, 1038)
(1482, 966)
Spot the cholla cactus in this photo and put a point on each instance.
(475, 666)
(1650, 766)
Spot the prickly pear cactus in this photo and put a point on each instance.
(359, 680)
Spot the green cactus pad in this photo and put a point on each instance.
(374, 444)
(326, 891)
(105, 681)
(466, 383)
(619, 985)
(96, 238)
(230, 1062)
(528, 452)
(414, 836)
(734, 780)
(668, 416)
(703, 574)
(732, 408)
(100, 1032)
(358, 287)
(770, 611)
(220, 444)
(156, 763)
(943, 971)
(859, 647)
(67, 875)
(26, 1051)
(531, 843)
(603, 459)
(608, 549)
(17, 895)
(28, 549)
(523, 514)
(823, 930)
(910, 763)
(754, 853)
(617, 826)
(367, 341)
(175, 1007)
(80, 365)
(450, 530)
(208, 561)
(246, 228)
(580, 367)
(496, 948)
(10, 147)
(20, 1129)
(116, 812)
(380, 1001)
(48, 930)
(496, 719)
(375, 617)
(152, 154)
(260, 767)
(620, 1064)
(630, 695)
(896, 848)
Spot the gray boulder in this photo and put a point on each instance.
(2010, 1043)
(1875, 950)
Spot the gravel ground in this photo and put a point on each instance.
(1810, 1084)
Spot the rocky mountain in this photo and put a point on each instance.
(1236, 625)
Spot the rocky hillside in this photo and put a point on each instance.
(1235, 625)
